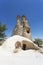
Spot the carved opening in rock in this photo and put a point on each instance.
(17, 44)
(28, 30)
(24, 47)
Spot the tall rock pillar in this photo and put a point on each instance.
(26, 28)
(16, 30)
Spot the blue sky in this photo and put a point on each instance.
(32, 9)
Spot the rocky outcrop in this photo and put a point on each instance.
(29, 45)
(22, 28)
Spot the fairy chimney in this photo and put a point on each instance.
(22, 28)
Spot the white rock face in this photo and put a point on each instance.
(29, 57)
(9, 44)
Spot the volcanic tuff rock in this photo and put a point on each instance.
(22, 28)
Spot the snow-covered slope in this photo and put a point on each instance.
(28, 57)
(9, 44)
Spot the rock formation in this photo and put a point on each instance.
(22, 28)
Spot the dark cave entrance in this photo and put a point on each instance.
(24, 47)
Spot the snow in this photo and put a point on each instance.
(9, 44)
(28, 57)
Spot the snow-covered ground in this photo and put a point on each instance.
(28, 57)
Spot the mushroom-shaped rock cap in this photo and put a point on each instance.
(18, 17)
(24, 17)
